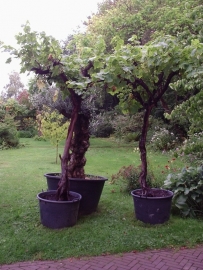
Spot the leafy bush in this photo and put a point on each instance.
(53, 126)
(27, 124)
(127, 127)
(101, 125)
(192, 149)
(39, 138)
(26, 133)
(188, 190)
(124, 127)
(163, 139)
(8, 132)
(128, 178)
(132, 137)
(104, 130)
(9, 141)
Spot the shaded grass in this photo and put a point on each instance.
(112, 229)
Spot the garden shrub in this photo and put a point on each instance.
(101, 125)
(163, 139)
(128, 178)
(104, 130)
(188, 190)
(132, 137)
(192, 149)
(30, 133)
(8, 132)
(39, 138)
(127, 127)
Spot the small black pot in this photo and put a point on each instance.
(58, 214)
(152, 210)
(90, 189)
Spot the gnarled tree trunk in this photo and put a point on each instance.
(63, 189)
(76, 145)
(79, 146)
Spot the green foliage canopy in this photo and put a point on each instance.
(147, 20)
(66, 66)
(140, 75)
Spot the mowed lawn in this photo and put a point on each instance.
(112, 229)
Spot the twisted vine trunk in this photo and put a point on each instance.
(154, 97)
(78, 148)
(143, 151)
(77, 142)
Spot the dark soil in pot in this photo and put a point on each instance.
(155, 193)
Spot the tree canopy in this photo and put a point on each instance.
(147, 20)
(14, 87)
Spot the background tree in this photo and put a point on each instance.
(53, 127)
(8, 129)
(14, 86)
(147, 20)
(23, 98)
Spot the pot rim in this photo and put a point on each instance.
(56, 175)
(170, 194)
(77, 195)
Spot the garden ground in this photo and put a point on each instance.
(113, 229)
(166, 259)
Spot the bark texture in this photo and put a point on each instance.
(143, 151)
(78, 148)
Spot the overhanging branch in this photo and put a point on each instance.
(143, 84)
(138, 97)
(166, 85)
(86, 69)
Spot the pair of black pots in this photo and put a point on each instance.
(85, 195)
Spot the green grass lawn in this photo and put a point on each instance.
(112, 229)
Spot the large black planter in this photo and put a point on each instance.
(152, 210)
(90, 189)
(58, 214)
(52, 180)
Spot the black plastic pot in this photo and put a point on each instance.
(152, 210)
(52, 180)
(58, 214)
(90, 189)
